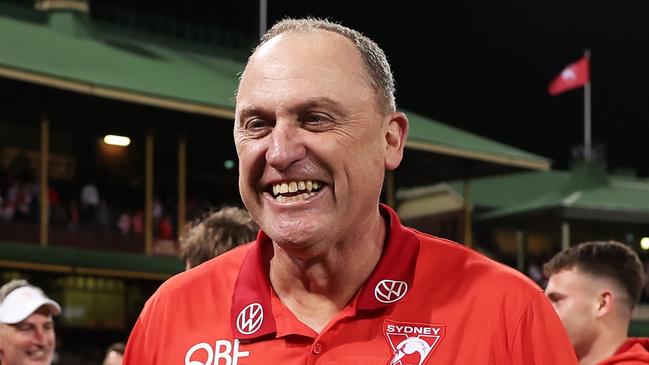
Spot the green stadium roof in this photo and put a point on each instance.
(433, 136)
(586, 192)
(67, 50)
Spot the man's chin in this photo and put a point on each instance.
(293, 237)
(290, 242)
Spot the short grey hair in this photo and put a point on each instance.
(374, 59)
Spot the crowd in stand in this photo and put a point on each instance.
(85, 206)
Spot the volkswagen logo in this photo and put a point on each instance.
(390, 291)
(250, 319)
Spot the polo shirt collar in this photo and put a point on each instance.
(252, 313)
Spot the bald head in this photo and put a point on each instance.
(376, 69)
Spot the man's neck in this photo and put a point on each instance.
(603, 347)
(316, 287)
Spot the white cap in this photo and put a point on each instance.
(21, 302)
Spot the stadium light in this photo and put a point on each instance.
(229, 164)
(115, 140)
(644, 243)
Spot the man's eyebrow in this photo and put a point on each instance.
(297, 108)
(322, 101)
(247, 111)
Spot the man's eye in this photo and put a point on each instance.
(257, 126)
(313, 118)
(316, 122)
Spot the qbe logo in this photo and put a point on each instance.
(204, 354)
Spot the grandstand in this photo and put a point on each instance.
(96, 224)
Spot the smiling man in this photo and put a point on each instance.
(26, 325)
(333, 277)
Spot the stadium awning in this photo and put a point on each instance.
(69, 51)
(439, 152)
(14, 255)
(585, 193)
(66, 50)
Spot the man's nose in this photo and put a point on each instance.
(286, 145)
(40, 336)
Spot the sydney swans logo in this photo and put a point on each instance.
(250, 319)
(412, 343)
(389, 291)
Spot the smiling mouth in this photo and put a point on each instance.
(38, 354)
(291, 191)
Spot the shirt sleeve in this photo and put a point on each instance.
(540, 338)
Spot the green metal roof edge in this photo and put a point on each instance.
(528, 207)
(500, 191)
(92, 49)
(462, 143)
(497, 191)
(538, 207)
(70, 259)
(587, 188)
(70, 51)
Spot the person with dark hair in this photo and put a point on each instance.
(594, 287)
(215, 234)
(26, 325)
(333, 276)
(114, 354)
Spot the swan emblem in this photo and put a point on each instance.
(408, 347)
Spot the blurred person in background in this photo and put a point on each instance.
(114, 354)
(89, 198)
(594, 287)
(215, 234)
(26, 325)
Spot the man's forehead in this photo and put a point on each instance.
(287, 67)
(567, 274)
(561, 278)
(314, 53)
(316, 39)
(573, 279)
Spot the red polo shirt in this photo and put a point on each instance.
(429, 301)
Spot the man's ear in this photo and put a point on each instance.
(605, 302)
(395, 137)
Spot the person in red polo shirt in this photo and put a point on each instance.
(594, 287)
(333, 277)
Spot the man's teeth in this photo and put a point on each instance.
(37, 353)
(306, 187)
(294, 198)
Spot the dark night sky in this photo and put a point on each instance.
(484, 66)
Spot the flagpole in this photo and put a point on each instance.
(263, 10)
(587, 115)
